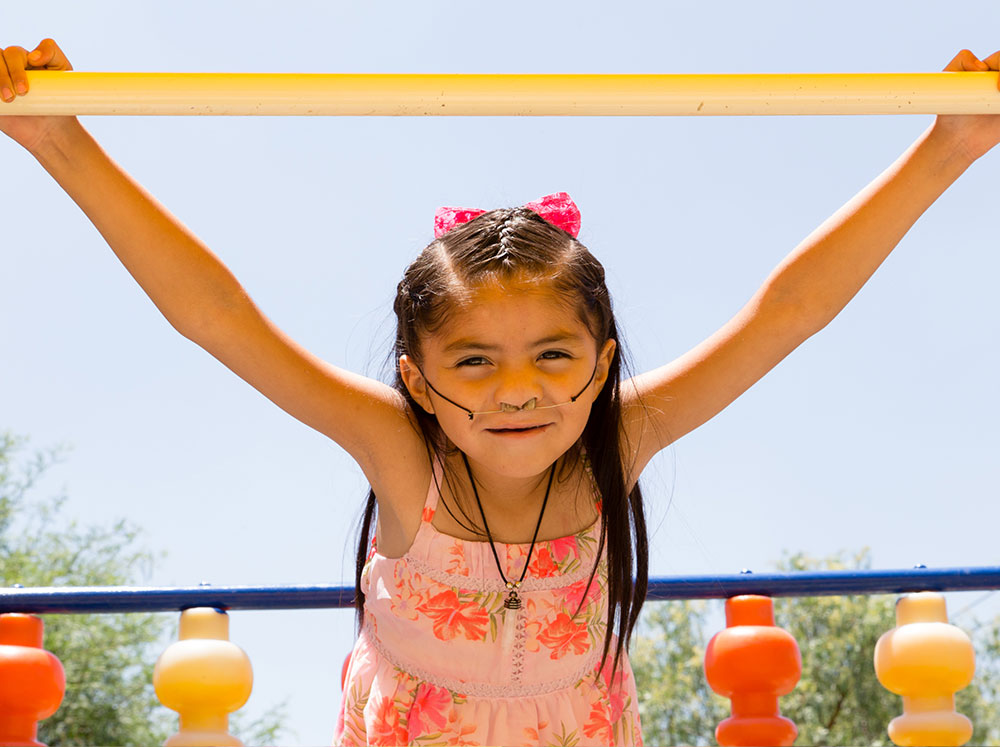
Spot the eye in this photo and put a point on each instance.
(475, 361)
(554, 355)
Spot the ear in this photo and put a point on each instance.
(604, 359)
(415, 382)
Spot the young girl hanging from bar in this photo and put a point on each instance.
(509, 557)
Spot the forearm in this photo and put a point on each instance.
(830, 266)
(185, 280)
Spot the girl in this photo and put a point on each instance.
(498, 595)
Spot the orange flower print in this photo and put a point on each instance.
(613, 683)
(452, 617)
(562, 634)
(617, 703)
(428, 712)
(516, 557)
(573, 594)
(563, 547)
(386, 728)
(614, 689)
(637, 734)
(599, 725)
(531, 737)
(457, 564)
(459, 732)
(543, 566)
(405, 603)
(532, 628)
(428, 513)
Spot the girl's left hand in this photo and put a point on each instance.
(976, 133)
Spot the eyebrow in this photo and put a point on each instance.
(467, 343)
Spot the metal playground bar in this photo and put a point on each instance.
(103, 599)
(752, 661)
(349, 94)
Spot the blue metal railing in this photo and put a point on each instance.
(105, 599)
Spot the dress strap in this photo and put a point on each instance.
(433, 491)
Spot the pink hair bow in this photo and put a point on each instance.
(558, 209)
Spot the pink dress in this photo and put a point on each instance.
(441, 661)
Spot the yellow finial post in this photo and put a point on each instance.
(204, 677)
(927, 661)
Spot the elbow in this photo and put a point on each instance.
(207, 322)
(798, 318)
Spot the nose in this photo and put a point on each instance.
(518, 390)
(529, 405)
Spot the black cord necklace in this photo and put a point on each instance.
(513, 601)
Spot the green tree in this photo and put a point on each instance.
(676, 705)
(108, 658)
(838, 699)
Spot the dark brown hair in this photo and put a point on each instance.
(516, 243)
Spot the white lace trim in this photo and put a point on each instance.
(484, 689)
(520, 641)
(458, 581)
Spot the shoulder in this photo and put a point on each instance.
(646, 424)
(399, 468)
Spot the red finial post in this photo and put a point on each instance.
(32, 681)
(752, 662)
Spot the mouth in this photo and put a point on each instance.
(528, 430)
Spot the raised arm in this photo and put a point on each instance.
(810, 286)
(202, 299)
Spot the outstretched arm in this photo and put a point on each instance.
(810, 286)
(202, 299)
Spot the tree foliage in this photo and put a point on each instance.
(838, 700)
(108, 658)
(676, 705)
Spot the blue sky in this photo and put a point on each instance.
(879, 431)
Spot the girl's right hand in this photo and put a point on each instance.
(29, 131)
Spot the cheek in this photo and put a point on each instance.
(581, 415)
(454, 423)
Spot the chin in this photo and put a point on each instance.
(519, 469)
(518, 460)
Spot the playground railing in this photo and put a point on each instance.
(204, 676)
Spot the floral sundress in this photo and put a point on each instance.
(441, 661)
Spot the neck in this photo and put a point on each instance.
(513, 493)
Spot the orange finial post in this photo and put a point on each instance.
(32, 681)
(752, 662)
(927, 661)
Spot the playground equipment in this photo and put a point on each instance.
(752, 662)
(923, 659)
(32, 681)
(927, 661)
(271, 94)
(204, 678)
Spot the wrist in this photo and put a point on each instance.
(950, 134)
(57, 140)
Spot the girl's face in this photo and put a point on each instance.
(510, 344)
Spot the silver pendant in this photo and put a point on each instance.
(513, 601)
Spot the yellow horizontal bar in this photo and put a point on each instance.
(295, 94)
